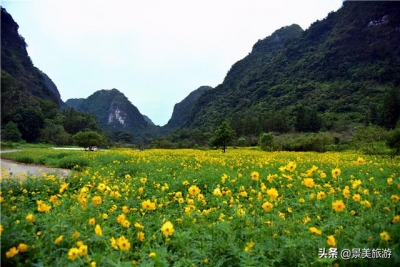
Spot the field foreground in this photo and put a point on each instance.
(197, 208)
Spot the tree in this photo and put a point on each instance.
(88, 139)
(11, 133)
(391, 109)
(223, 135)
(393, 141)
(266, 141)
(30, 121)
(75, 122)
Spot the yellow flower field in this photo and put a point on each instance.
(196, 208)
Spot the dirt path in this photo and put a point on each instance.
(16, 169)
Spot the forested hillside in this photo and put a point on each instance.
(115, 113)
(183, 108)
(342, 71)
(30, 101)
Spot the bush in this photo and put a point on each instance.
(25, 159)
(73, 163)
(304, 142)
(266, 141)
(369, 139)
(242, 142)
(393, 141)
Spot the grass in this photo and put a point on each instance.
(222, 208)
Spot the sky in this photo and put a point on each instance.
(154, 51)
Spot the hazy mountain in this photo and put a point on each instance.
(113, 110)
(339, 70)
(184, 108)
(22, 84)
(74, 102)
(148, 120)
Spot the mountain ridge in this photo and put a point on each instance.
(336, 64)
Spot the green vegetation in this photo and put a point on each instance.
(328, 82)
(341, 72)
(88, 140)
(223, 136)
(192, 207)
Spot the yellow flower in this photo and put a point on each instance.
(30, 218)
(97, 230)
(73, 253)
(385, 236)
(356, 197)
(366, 203)
(315, 231)
(140, 236)
(356, 183)
(42, 207)
(291, 166)
(125, 209)
(152, 255)
(92, 221)
(360, 160)
(138, 225)
(241, 212)
(22, 247)
(123, 243)
(338, 205)
(223, 178)
(143, 180)
(249, 246)
(336, 172)
(1, 229)
(63, 187)
(58, 239)
(113, 243)
(126, 224)
(167, 229)
(121, 218)
(395, 198)
(321, 195)
(346, 192)
(331, 241)
(53, 199)
(217, 192)
(272, 193)
(148, 205)
(309, 182)
(75, 235)
(267, 206)
(101, 187)
(96, 200)
(12, 252)
(194, 190)
(306, 220)
(389, 181)
(93, 263)
(83, 250)
(396, 219)
(255, 176)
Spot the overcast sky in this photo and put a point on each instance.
(154, 51)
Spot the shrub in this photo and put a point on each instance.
(25, 159)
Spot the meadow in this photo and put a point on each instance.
(197, 208)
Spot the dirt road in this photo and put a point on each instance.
(16, 169)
